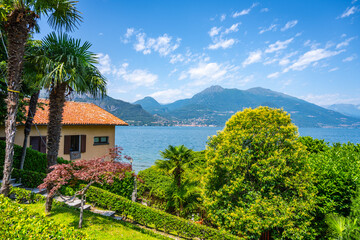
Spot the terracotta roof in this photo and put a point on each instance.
(78, 113)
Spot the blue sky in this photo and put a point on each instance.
(173, 49)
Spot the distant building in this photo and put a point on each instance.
(88, 131)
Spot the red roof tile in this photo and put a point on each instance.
(78, 113)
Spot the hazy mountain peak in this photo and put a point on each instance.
(212, 89)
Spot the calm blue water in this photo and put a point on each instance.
(144, 143)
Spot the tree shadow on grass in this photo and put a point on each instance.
(91, 219)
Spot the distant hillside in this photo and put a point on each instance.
(346, 109)
(133, 114)
(215, 105)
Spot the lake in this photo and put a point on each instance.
(144, 143)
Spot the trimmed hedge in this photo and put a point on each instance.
(25, 196)
(153, 217)
(20, 223)
(28, 178)
(34, 160)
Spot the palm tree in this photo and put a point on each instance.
(68, 66)
(177, 159)
(18, 19)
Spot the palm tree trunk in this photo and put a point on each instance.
(17, 29)
(56, 109)
(30, 117)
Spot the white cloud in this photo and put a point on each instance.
(345, 43)
(329, 99)
(222, 43)
(285, 60)
(271, 27)
(244, 11)
(334, 69)
(233, 28)
(245, 80)
(349, 59)
(278, 45)
(208, 71)
(349, 11)
(264, 10)
(222, 17)
(129, 32)
(140, 77)
(214, 31)
(311, 57)
(311, 44)
(104, 63)
(175, 58)
(253, 58)
(289, 25)
(168, 96)
(273, 75)
(164, 44)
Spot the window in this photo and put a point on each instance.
(74, 143)
(38, 143)
(101, 140)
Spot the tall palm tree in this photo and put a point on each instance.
(68, 66)
(176, 160)
(19, 17)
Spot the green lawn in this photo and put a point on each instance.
(95, 225)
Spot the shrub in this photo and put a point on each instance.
(153, 217)
(19, 223)
(25, 196)
(258, 177)
(34, 160)
(337, 175)
(314, 145)
(28, 178)
(123, 187)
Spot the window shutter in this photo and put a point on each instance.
(67, 144)
(43, 144)
(83, 143)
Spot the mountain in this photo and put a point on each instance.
(133, 114)
(351, 110)
(215, 105)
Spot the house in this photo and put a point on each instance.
(88, 131)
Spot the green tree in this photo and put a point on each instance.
(18, 19)
(68, 66)
(258, 177)
(176, 160)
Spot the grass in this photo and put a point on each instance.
(95, 225)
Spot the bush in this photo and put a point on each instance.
(258, 177)
(123, 187)
(337, 175)
(34, 160)
(314, 145)
(19, 223)
(153, 217)
(28, 178)
(25, 196)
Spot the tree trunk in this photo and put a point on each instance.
(81, 211)
(56, 109)
(30, 117)
(17, 29)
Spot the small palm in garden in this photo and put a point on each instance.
(177, 159)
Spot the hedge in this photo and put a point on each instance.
(25, 196)
(153, 217)
(20, 223)
(34, 160)
(28, 178)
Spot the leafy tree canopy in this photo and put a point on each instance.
(258, 177)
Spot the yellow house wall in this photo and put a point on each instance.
(90, 131)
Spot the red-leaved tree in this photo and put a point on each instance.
(90, 171)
